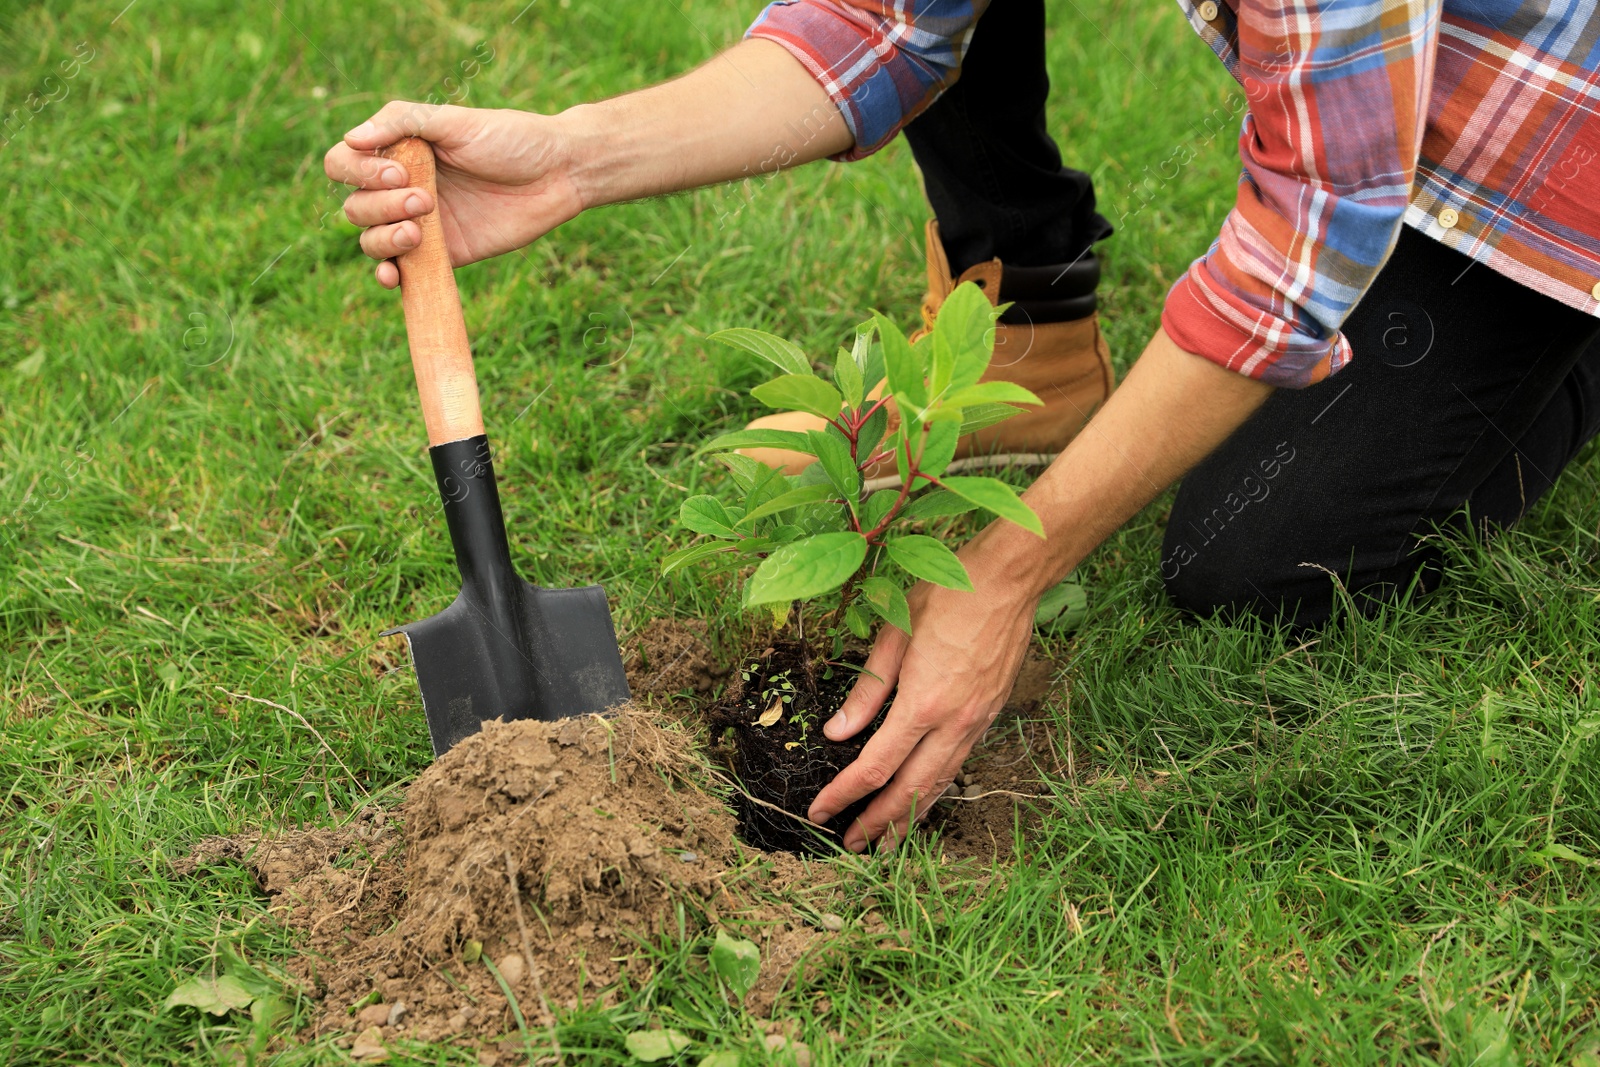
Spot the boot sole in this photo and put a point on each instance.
(973, 463)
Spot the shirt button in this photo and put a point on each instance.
(1595, 292)
(1448, 218)
(1208, 10)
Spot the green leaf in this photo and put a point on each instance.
(877, 506)
(767, 485)
(938, 411)
(726, 1058)
(815, 519)
(901, 364)
(941, 362)
(965, 328)
(791, 440)
(821, 518)
(991, 393)
(937, 505)
(870, 437)
(746, 472)
(1062, 608)
(859, 619)
(888, 600)
(269, 1011)
(833, 452)
(652, 1046)
(992, 494)
(868, 354)
(922, 350)
(940, 448)
(847, 376)
(693, 554)
(807, 568)
(736, 961)
(705, 514)
(812, 474)
(797, 392)
(805, 494)
(218, 996)
(254, 982)
(928, 558)
(982, 416)
(785, 355)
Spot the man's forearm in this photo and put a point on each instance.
(1170, 413)
(752, 110)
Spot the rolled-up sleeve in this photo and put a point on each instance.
(880, 63)
(1338, 98)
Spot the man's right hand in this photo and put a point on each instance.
(504, 180)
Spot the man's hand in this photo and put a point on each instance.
(955, 672)
(507, 178)
(503, 181)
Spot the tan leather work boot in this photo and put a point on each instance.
(1049, 342)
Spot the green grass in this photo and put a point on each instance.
(1378, 848)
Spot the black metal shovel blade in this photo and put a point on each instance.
(505, 648)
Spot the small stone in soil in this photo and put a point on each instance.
(973, 791)
(368, 1046)
(397, 1011)
(372, 1015)
(512, 969)
(689, 857)
(831, 923)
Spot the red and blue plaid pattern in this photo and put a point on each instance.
(881, 62)
(1474, 121)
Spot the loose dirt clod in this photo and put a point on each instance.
(553, 845)
(666, 657)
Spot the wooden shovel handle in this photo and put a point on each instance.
(440, 353)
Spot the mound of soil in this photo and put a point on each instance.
(545, 847)
(549, 849)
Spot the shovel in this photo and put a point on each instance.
(504, 649)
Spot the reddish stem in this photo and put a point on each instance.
(879, 458)
(873, 410)
(905, 488)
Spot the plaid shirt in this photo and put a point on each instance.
(1474, 121)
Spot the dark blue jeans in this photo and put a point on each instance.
(1467, 396)
(992, 172)
(1468, 393)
